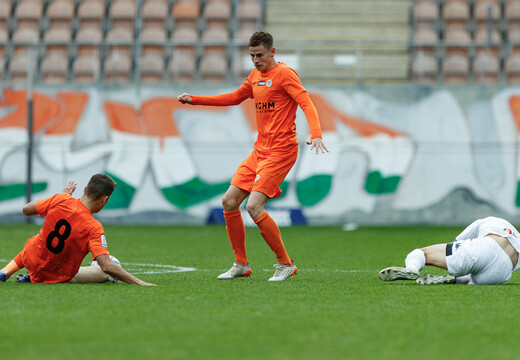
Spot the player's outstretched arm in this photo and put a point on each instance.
(317, 144)
(116, 271)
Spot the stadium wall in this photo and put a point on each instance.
(398, 154)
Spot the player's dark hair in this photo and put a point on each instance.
(100, 185)
(261, 38)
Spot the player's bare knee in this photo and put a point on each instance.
(230, 203)
(254, 210)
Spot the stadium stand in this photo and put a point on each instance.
(327, 42)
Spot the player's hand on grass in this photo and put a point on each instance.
(70, 188)
(184, 98)
(317, 144)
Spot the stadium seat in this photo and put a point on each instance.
(28, 14)
(487, 11)
(249, 12)
(122, 14)
(91, 13)
(18, 67)
(512, 68)
(425, 37)
(5, 13)
(244, 32)
(215, 39)
(426, 11)
(152, 68)
(3, 43)
(213, 68)
(425, 68)
(182, 66)
(185, 38)
(456, 12)
(57, 39)
(60, 14)
(118, 67)
(155, 13)
(486, 68)
(153, 39)
(186, 13)
(89, 40)
(513, 34)
(120, 39)
(512, 11)
(54, 68)
(25, 37)
(86, 68)
(457, 40)
(217, 13)
(456, 69)
(487, 38)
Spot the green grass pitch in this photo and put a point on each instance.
(335, 308)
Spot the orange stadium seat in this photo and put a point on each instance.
(487, 10)
(155, 13)
(456, 69)
(91, 13)
(249, 12)
(513, 34)
(28, 14)
(86, 68)
(487, 39)
(54, 68)
(458, 40)
(3, 42)
(118, 67)
(425, 37)
(213, 68)
(512, 68)
(486, 68)
(25, 37)
(185, 38)
(425, 68)
(217, 13)
(152, 68)
(186, 13)
(512, 11)
(456, 13)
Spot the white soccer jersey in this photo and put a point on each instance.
(492, 225)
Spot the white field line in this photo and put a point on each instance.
(143, 268)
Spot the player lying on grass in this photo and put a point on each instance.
(485, 253)
(68, 234)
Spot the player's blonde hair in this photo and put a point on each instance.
(100, 185)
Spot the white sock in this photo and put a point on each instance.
(415, 260)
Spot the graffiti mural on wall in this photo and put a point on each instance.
(176, 159)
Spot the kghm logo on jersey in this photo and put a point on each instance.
(261, 83)
(265, 105)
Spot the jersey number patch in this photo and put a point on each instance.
(57, 246)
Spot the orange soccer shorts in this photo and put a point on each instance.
(265, 171)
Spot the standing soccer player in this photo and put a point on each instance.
(277, 92)
(68, 234)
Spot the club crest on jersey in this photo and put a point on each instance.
(261, 83)
(269, 83)
(104, 241)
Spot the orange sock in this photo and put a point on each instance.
(14, 265)
(271, 234)
(237, 235)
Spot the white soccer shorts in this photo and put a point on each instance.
(481, 258)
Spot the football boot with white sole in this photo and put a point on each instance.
(237, 271)
(398, 273)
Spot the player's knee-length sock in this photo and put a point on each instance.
(237, 235)
(415, 260)
(271, 234)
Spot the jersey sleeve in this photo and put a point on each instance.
(97, 242)
(245, 91)
(43, 206)
(295, 89)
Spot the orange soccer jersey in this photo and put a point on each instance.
(277, 94)
(68, 234)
